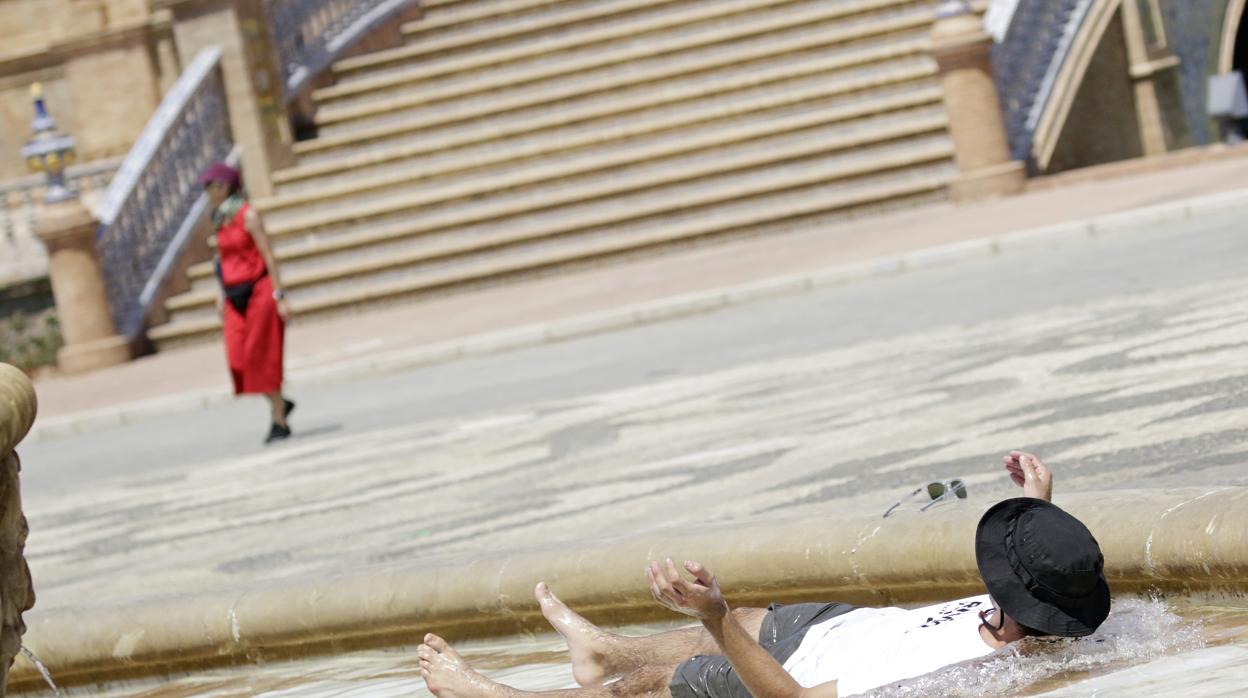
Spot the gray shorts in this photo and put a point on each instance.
(712, 676)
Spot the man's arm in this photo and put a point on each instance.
(1029, 473)
(759, 671)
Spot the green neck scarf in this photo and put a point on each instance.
(227, 210)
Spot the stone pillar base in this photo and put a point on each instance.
(89, 356)
(989, 182)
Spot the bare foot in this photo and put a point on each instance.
(587, 643)
(448, 676)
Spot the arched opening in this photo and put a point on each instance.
(1231, 34)
(1233, 56)
(1239, 60)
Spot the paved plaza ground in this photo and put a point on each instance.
(320, 345)
(1120, 359)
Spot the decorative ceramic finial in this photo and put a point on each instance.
(48, 151)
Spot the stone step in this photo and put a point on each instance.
(598, 147)
(517, 110)
(750, 173)
(446, 20)
(664, 161)
(558, 17)
(465, 149)
(460, 253)
(412, 66)
(496, 201)
(687, 50)
(514, 137)
(448, 17)
(458, 176)
(319, 253)
(812, 207)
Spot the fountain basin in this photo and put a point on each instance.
(1160, 648)
(1179, 542)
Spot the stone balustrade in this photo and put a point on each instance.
(22, 256)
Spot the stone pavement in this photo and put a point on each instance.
(196, 375)
(1118, 392)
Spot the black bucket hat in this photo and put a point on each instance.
(1043, 567)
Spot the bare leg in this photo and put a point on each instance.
(598, 655)
(449, 676)
(277, 404)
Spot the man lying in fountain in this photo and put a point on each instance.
(1042, 569)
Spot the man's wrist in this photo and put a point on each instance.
(717, 615)
(279, 294)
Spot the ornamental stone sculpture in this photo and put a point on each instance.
(17, 595)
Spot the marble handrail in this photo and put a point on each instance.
(311, 34)
(151, 208)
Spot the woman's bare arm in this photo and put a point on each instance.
(255, 228)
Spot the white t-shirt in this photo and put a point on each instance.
(872, 647)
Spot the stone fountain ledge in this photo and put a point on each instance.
(1189, 541)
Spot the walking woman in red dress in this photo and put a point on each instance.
(252, 303)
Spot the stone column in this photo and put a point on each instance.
(962, 49)
(17, 594)
(252, 79)
(68, 229)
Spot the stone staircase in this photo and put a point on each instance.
(515, 136)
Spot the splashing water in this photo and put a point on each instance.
(1137, 631)
(47, 675)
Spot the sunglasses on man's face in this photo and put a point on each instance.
(991, 615)
(935, 492)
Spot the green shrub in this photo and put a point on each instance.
(30, 341)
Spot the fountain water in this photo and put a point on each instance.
(47, 675)
(1174, 635)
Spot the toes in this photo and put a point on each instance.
(441, 647)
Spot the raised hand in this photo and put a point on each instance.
(1029, 473)
(699, 598)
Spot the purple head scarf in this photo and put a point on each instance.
(221, 172)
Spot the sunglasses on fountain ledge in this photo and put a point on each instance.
(932, 492)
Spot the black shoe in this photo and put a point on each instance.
(290, 406)
(277, 433)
